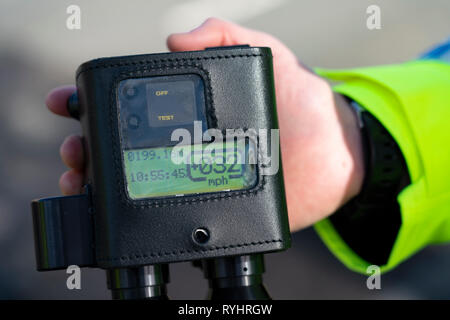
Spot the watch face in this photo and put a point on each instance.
(150, 109)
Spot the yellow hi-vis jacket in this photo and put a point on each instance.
(412, 101)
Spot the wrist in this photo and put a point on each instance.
(375, 207)
(351, 130)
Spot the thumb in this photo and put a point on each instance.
(216, 32)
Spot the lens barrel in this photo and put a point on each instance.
(146, 282)
(236, 278)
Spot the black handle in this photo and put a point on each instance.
(63, 232)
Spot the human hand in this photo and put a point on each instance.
(320, 139)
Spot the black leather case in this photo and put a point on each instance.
(240, 93)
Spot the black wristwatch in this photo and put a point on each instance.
(369, 223)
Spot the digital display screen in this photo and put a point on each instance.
(192, 169)
(149, 110)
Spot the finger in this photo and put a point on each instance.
(72, 153)
(215, 32)
(71, 182)
(56, 99)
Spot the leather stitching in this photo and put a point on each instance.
(157, 65)
(132, 257)
(170, 60)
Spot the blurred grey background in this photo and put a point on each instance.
(38, 52)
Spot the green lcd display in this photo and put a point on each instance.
(189, 169)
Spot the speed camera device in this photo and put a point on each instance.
(182, 164)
